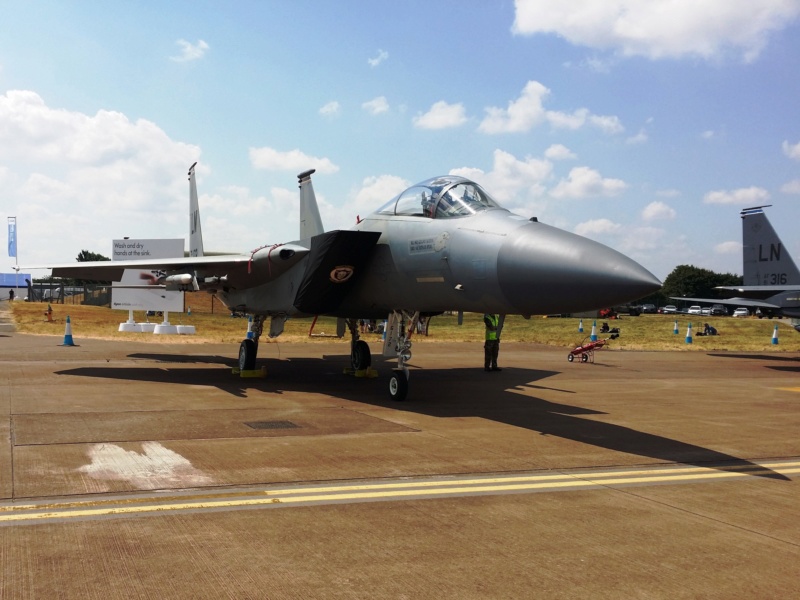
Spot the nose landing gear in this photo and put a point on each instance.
(398, 342)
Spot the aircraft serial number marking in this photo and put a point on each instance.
(423, 246)
(431, 488)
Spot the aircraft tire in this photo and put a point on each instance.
(398, 385)
(247, 355)
(361, 358)
(570, 357)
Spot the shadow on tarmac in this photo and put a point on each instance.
(443, 393)
(768, 357)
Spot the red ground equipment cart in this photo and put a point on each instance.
(586, 348)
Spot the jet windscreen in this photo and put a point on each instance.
(441, 198)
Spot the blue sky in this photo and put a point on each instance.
(646, 125)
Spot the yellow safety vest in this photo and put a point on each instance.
(491, 334)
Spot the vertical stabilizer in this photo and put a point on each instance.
(310, 221)
(195, 231)
(766, 259)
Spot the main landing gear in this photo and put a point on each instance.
(398, 338)
(360, 356)
(248, 349)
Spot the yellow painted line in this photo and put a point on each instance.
(569, 477)
(317, 496)
(791, 389)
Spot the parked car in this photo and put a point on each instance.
(717, 310)
(706, 310)
(649, 308)
(694, 310)
(741, 312)
(669, 308)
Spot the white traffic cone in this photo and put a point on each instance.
(689, 334)
(675, 328)
(68, 334)
(775, 336)
(593, 337)
(580, 326)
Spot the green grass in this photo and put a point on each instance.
(647, 332)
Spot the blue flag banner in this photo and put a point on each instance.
(12, 236)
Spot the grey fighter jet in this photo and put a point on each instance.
(442, 245)
(771, 281)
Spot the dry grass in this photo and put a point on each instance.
(647, 332)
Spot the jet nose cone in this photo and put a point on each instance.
(544, 270)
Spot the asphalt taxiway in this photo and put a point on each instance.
(130, 469)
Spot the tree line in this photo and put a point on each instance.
(692, 282)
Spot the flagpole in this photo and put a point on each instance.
(13, 220)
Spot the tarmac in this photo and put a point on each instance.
(136, 470)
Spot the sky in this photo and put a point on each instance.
(646, 125)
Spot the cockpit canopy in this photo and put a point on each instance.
(441, 198)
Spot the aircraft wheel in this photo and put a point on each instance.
(247, 355)
(398, 386)
(584, 358)
(570, 357)
(360, 358)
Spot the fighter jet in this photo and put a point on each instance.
(442, 245)
(771, 281)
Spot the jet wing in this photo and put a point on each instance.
(238, 270)
(731, 302)
(766, 290)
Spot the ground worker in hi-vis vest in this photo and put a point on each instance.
(492, 346)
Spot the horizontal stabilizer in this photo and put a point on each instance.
(335, 263)
(238, 270)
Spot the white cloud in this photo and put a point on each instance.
(597, 227)
(573, 121)
(606, 123)
(559, 152)
(373, 193)
(382, 56)
(639, 138)
(376, 106)
(793, 187)
(441, 116)
(728, 248)
(293, 160)
(521, 115)
(658, 211)
(527, 111)
(671, 193)
(659, 29)
(331, 109)
(708, 135)
(512, 182)
(80, 180)
(583, 182)
(791, 150)
(645, 239)
(641, 243)
(752, 195)
(190, 51)
(597, 64)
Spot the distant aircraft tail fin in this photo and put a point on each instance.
(766, 260)
(310, 221)
(195, 231)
